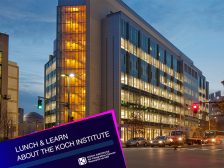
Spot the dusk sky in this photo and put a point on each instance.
(196, 27)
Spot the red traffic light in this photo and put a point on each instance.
(195, 108)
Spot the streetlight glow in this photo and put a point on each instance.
(63, 75)
(71, 75)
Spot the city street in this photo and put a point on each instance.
(204, 156)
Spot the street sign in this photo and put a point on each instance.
(65, 105)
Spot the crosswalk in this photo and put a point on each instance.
(191, 149)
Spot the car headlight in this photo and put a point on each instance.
(160, 141)
(180, 139)
(171, 140)
(213, 140)
(151, 141)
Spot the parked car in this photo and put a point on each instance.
(138, 141)
(161, 141)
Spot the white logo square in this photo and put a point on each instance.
(82, 161)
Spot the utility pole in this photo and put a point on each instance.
(209, 123)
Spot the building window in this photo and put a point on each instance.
(185, 67)
(196, 75)
(192, 72)
(72, 26)
(189, 70)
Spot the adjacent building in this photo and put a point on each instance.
(20, 116)
(9, 87)
(33, 122)
(13, 92)
(215, 116)
(214, 97)
(120, 62)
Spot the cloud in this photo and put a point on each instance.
(29, 103)
(31, 82)
(169, 16)
(26, 10)
(17, 15)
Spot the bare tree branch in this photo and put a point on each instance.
(136, 122)
(219, 105)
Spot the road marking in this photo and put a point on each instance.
(218, 149)
(204, 149)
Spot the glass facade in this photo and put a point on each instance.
(195, 90)
(50, 93)
(71, 58)
(150, 85)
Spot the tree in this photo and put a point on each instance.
(219, 106)
(136, 122)
(213, 125)
(5, 125)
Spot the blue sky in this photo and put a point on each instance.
(196, 27)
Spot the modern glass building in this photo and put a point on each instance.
(50, 92)
(121, 62)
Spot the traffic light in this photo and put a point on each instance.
(39, 106)
(195, 108)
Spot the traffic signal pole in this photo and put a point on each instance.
(52, 99)
(68, 103)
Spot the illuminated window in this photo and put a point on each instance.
(72, 26)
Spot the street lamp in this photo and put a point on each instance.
(70, 75)
(36, 126)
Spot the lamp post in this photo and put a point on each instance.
(70, 75)
(36, 126)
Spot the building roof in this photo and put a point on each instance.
(33, 117)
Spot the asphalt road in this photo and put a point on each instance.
(195, 156)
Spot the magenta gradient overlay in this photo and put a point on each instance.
(97, 115)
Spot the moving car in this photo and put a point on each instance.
(161, 141)
(138, 141)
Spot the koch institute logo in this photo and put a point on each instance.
(82, 161)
